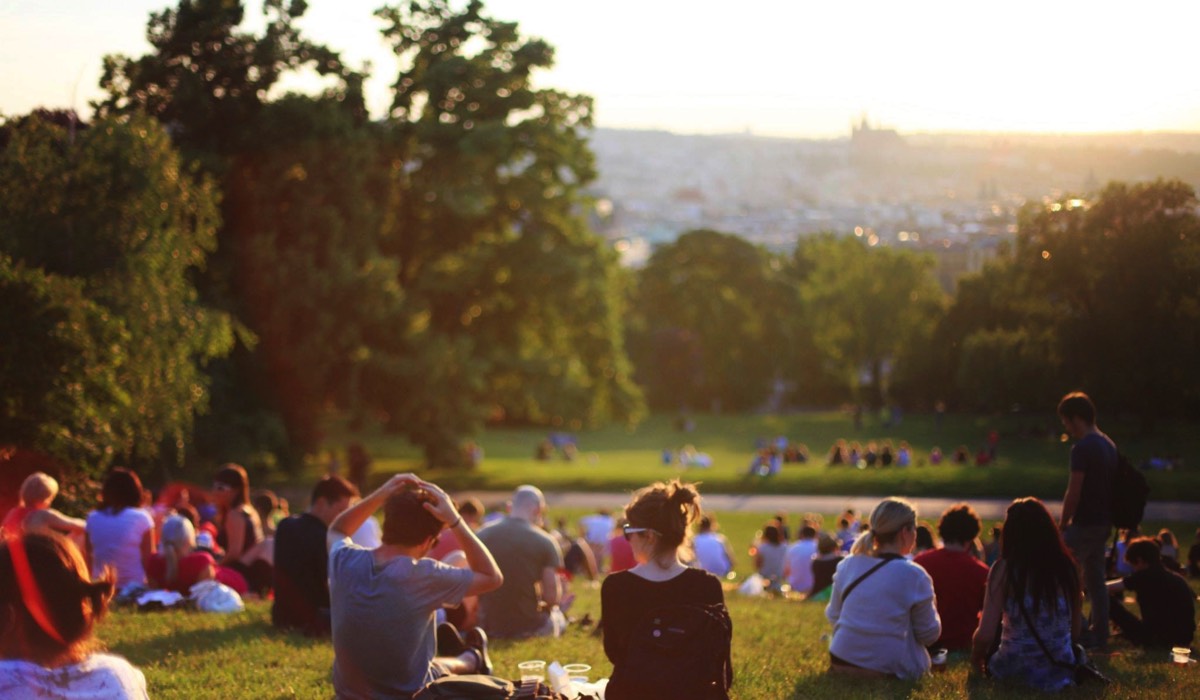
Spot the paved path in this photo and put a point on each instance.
(929, 508)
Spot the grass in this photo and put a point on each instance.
(615, 458)
(778, 653)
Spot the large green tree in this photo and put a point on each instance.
(711, 317)
(866, 306)
(103, 228)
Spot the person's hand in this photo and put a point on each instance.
(440, 504)
(398, 483)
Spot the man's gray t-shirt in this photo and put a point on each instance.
(383, 620)
(522, 552)
(1096, 456)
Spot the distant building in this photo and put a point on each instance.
(867, 140)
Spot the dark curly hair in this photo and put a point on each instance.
(959, 524)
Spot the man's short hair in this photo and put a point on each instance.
(959, 524)
(405, 520)
(808, 532)
(1145, 550)
(527, 499)
(333, 489)
(1077, 405)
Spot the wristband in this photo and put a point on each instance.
(455, 523)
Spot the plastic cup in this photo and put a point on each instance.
(532, 671)
(1181, 655)
(578, 673)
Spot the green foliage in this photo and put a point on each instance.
(104, 229)
(711, 310)
(867, 307)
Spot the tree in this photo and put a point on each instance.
(866, 306)
(110, 216)
(711, 309)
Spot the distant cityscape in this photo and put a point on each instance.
(957, 196)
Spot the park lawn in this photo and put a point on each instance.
(778, 653)
(1032, 457)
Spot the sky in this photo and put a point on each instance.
(796, 68)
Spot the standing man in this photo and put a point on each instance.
(1087, 506)
(302, 563)
(530, 560)
(385, 643)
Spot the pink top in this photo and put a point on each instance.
(620, 554)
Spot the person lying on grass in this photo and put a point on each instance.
(383, 601)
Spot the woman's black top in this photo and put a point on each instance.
(626, 598)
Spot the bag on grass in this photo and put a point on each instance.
(677, 651)
(211, 596)
(480, 687)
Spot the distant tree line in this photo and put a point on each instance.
(207, 271)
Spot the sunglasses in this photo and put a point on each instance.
(219, 486)
(629, 531)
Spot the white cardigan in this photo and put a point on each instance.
(888, 620)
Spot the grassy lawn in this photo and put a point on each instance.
(616, 458)
(778, 653)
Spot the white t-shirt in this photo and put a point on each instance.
(369, 535)
(710, 553)
(117, 542)
(98, 677)
(597, 528)
(799, 561)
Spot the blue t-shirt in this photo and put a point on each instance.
(383, 620)
(1096, 456)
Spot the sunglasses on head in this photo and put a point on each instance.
(629, 531)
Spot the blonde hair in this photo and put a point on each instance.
(887, 520)
(38, 487)
(178, 539)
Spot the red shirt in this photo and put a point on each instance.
(620, 554)
(959, 582)
(190, 569)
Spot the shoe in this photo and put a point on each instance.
(450, 640)
(476, 640)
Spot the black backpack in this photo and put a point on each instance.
(677, 651)
(480, 687)
(1129, 494)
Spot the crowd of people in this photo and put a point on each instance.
(419, 596)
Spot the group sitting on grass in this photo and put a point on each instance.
(385, 606)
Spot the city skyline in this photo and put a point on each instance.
(771, 67)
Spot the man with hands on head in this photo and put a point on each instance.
(383, 600)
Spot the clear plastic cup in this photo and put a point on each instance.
(534, 670)
(1181, 655)
(578, 673)
(939, 658)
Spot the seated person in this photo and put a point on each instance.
(1193, 559)
(530, 560)
(33, 511)
(178, 565)
(824, 564)
(798, 569)
(712, 550)
(384, 600)
(301, 564)
(1166, 601)
(770, 557)
(959, 579)
(883, 629)
(49, 607)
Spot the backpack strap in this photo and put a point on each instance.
(849, 589)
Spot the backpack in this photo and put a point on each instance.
(677, 651)
(1129, 493)
(480, 687)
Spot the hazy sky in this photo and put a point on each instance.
(778, 67)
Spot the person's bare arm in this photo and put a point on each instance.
(483, 565)
(551, 593)
(1116, 586)
(989, 621)
(235, 535)
(147, 545)
(348, 522)
(54, 520)
(1071, 499)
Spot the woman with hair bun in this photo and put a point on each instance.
(658, 519)
(49, 606)
(882, 605)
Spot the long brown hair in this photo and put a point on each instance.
(1039, 563)
(71, 602)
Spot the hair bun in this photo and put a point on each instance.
(682, 494)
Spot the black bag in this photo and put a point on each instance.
(479, 687)
(1129, 494)
(677, 651)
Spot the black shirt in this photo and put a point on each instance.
(301, 575)
(1096, 456)
(1167, 604)
(625, 598)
